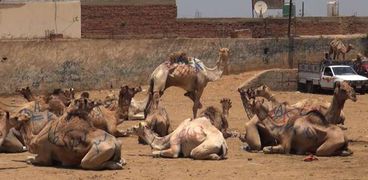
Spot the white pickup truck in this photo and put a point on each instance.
(313, 76)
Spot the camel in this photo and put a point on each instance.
(332, 111)
(56, 102)
(10, 142)
(191, 79)
(136, 108)
(337, 47)
(157, 120)
(256, 134)
(297, 134)
(107, 120)
(196, 138)
(69, 140)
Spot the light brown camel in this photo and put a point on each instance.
(337, 47)
(191, 79)
(195, 138)
(136, 108)
(107, 120)
(10, 142)
(295, 133)
(69, 140)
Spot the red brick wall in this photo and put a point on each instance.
(159, 21)
(154, 21)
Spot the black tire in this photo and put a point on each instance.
(301, 87)
(310, 87)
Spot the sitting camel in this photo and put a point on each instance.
(192, 78)
(157, 120)
(195, 138)
(337, 47)
(107, 120)
(55, 102)
(256, 135)
(10, 140)
(296, 133)
(70, 140)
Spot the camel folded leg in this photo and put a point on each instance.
(104, 154)
(12, 144)
(332, 146)
(206, 151)
(172, 152)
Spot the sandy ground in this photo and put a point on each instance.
(239, 165)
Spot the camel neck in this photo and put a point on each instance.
(334, 111)
(154, 141)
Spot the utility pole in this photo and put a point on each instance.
(252, 1)
(291, 40)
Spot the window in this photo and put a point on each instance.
(328, 72)
(344, 71)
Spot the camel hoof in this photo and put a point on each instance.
(123, 162)
(114, 166)
(267, 150)
(30, 159)
(347, 152)
(156, 154)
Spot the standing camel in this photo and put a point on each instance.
(191, 79)
(337, 47)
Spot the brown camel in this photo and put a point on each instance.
(70, 140)
(157, 119)
(55, 102)
(191, 79)
(195, 138)
(107, 120)
(337, 47)
(10, 140)
(296, 133)
(256, 135)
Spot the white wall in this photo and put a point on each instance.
(38, 19)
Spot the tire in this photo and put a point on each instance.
(309, 87)
(301, 87)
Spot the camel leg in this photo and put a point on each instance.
(103, 154)
(279, 149)
(190, 95)
(172, 152)
(331, 146)
(206, 151)
(43, 158)
(12, 144)
(252, 137)
(197, 101)
(113, 130)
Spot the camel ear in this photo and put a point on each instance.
(262, 101)
(7, 115)
(138, 89)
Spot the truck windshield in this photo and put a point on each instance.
(343, 71)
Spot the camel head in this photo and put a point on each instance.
(216, 117)
(344, 91)
(141, 129)
(350, 47)
(85, 95)
(64, 96)
(259, 107)
(126, 95)
(262, 91)
(81, 107)
(226, 105)
(26, 93)
(4, 125)
(224, 54)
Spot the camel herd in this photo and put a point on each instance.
(64, 130)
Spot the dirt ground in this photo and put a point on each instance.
(239, 165)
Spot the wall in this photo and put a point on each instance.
(140, 21)
(276, 79)
(37, 20)
(128, 21)
(95, 64)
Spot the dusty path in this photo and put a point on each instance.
(239, 165)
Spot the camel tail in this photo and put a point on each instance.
(223, 150)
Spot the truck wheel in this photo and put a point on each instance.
(301, 87)
(310, 87)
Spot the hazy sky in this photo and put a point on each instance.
(242, 8)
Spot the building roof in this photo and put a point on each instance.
(128, 2)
